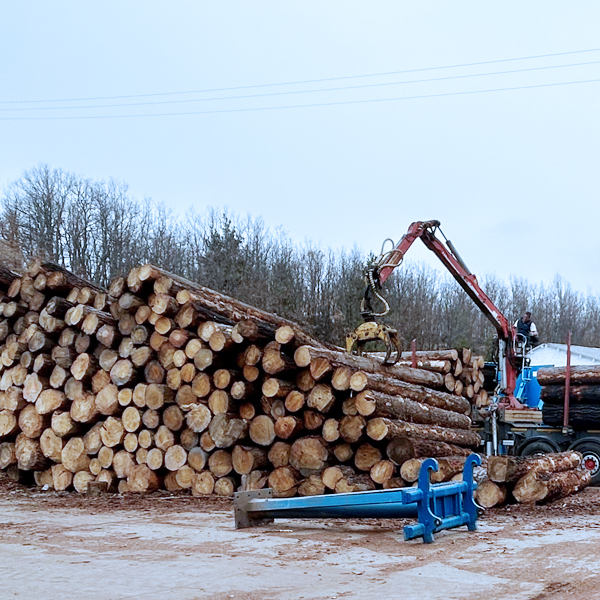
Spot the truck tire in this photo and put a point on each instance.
(536, 448)
(591, 459)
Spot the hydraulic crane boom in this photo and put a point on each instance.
(379, 272)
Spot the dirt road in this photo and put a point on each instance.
(62, 546)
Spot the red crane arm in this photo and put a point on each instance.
(425, 230)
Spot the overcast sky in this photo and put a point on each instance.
(512, 175)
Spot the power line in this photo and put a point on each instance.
(293, 92)
(246, 87)
(320, 104)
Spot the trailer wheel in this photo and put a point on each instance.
(591, 459)
(537, 448)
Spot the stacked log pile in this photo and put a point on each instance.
(532, 479)
(160, 382)
(584, 396)
(461, 369)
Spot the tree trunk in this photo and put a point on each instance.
(381, 405)
(306, 354)
(381, 428)
(401, 449)
(584, 394)
(490, 494)
(378, 382)
(580, 375)
(536, 487)
(506, 469)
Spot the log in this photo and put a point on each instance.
(351, 428)
(173, 418)
(580, 375)
(123, 462)
(354, 483)
(321, 398)
(164, 438)
(32, 423)
(198, 418)
(331, 475)
(584, 394)
(158, 395)
(262, 430)
(62, 424)
(185, 477)
(506, 469)
(378, 382)
(107, 400)
(370, 403)
(306, 354)
(537, 487)
(81, 480)
(142, 479)
(294, 401)
(203, 484)
(490, 494)
(112, 432)
(331, 430)
(401, 449)
(51, 445)
(225, 430)
(220, 463)
(283, 482)
(175, 457)
(308, 453)
(366, 457)
(381, 428)
(288, 426)
(279, 454)
(29, 454)
(247, 459)
(8, 456)
(92, 440)
(224, 486)
(197, 458)
(49, 401)
(274, 361)
(83, 408)
(382, 471)
(84, 366)
(311, 486)
(581, 416)
(340, 380)
(62, 478)
(73, 456)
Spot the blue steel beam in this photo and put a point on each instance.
(437, 506)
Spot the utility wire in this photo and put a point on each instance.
(245, 87)
(334, 89)
(266, 108)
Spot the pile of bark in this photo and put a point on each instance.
(532, 479)
(584, 396)
(160, 382)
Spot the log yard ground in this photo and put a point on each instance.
(169, 546)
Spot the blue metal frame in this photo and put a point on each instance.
(437, 506)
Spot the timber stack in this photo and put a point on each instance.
(532, 479)
(462, 371)
(159, 382)
(584, 396)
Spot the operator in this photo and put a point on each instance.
(526, 327)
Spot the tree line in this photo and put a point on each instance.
(98, 230)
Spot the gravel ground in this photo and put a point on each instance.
(175, 547)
